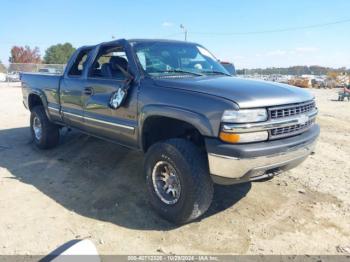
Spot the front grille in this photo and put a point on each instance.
(291, 110)
(290, 130)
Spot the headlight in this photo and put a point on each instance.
(244, 116)
(244, 137)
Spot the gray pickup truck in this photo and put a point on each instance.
(173, 100)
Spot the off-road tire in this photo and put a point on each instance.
(50, 132)
(191, 166)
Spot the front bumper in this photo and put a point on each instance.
(230, 164)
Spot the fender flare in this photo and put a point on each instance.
(199, 121)
(43, 99)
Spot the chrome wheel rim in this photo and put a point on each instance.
(37, 128)
(166, 182)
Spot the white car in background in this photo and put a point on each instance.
(2, 77)
(12, 77)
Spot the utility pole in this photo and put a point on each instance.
(184, 30)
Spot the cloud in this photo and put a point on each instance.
(295, 55)
(306, 49)
(167, 24)
(238, 57)
(295, 51)
(276, 53)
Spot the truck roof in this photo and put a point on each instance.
(158, 41)
(136, 41)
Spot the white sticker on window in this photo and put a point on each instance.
(142, 58)
(205, 52)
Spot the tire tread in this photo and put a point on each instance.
(50, 131)
(200, 196)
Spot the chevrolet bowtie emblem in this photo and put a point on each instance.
(303, 119)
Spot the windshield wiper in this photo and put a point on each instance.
(179, 71)
(215, 73)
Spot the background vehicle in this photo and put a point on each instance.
(12, 77)
(175, 102)
(49, 70)
(230, 67)
(2, 77)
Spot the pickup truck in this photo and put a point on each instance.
(174, 101)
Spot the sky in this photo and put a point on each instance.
(250, 33)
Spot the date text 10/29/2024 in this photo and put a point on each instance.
(172, 258)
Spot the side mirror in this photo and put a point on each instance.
(117, 98)
(230, 67)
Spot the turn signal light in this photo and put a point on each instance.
(229, 137)
(244, 137)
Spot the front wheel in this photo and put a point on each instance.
(44, 133)
(178, 180)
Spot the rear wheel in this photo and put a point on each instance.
(44, 133)
(178, 180)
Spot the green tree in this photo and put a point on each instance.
(58, 54)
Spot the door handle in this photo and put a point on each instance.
(89, 91)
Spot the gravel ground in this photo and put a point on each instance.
(87, 188)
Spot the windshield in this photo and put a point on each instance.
(169, 58)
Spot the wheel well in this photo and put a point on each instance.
(34, 100)
(157, 128)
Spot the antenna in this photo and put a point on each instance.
(184, 30)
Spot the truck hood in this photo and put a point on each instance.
(245, 93)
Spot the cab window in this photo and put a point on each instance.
(79, 64)
(110, 63)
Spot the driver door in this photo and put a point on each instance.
(103, 80)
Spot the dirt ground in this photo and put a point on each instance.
(87, 188)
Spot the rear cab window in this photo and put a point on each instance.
(80, 63)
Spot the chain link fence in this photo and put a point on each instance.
(11, 73)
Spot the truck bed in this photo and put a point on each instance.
(45, 84)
